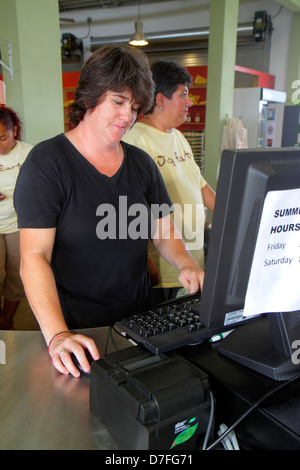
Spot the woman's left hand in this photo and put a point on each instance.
(170, 245)
(192, 278)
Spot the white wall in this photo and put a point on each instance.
(182, 14)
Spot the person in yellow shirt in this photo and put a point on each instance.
(157, 134)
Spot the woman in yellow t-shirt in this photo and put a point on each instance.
(156, 133)
(12, 154)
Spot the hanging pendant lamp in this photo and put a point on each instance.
(138, 38)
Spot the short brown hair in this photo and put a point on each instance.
(167, 76)
(113, 68)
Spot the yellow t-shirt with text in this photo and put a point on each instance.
(174, 158)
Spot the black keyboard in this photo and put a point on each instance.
(167, 326)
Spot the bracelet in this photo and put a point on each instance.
(61, 333)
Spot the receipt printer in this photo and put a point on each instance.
(150, 402)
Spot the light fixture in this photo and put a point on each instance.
(138, 38)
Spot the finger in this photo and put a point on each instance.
(184, 280)
(77, 361)
(87, 343)
(191, 280)
(194, 284)
(68, 364)
(59, 365)
(79, 357)
(201, 279)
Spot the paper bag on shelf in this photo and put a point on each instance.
(234, 135)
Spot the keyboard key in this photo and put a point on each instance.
(191, 327)
(199, 325)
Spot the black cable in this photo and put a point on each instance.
(210, 422)
(255, 405)
(107, 340)
(118, 332)
(272, 17)
(112, 338)
(89, 30)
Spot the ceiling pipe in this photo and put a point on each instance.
(68, 5)
(184, 34)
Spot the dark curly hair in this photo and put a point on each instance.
(113, 68)
(10, 120)
(167, 75)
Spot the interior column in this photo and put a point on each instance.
(293, 80)
(31, 27)
(220, 80)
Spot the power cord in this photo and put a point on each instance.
(230, 441)
(211, 417)
(255, 405)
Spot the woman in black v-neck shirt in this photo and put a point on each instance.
(87, 205)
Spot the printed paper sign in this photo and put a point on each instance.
(275, 274)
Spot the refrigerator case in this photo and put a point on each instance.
(262, 113)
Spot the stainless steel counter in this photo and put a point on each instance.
(41, 408)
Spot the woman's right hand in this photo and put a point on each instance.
(64, 344)
(40, 287)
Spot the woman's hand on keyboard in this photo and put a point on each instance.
(192, 278)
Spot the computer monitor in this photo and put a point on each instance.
(245, 178)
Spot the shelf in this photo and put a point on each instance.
(193, 124)
(197, 86)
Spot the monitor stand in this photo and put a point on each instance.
(265, 345)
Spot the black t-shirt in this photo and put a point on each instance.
(102, 227)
